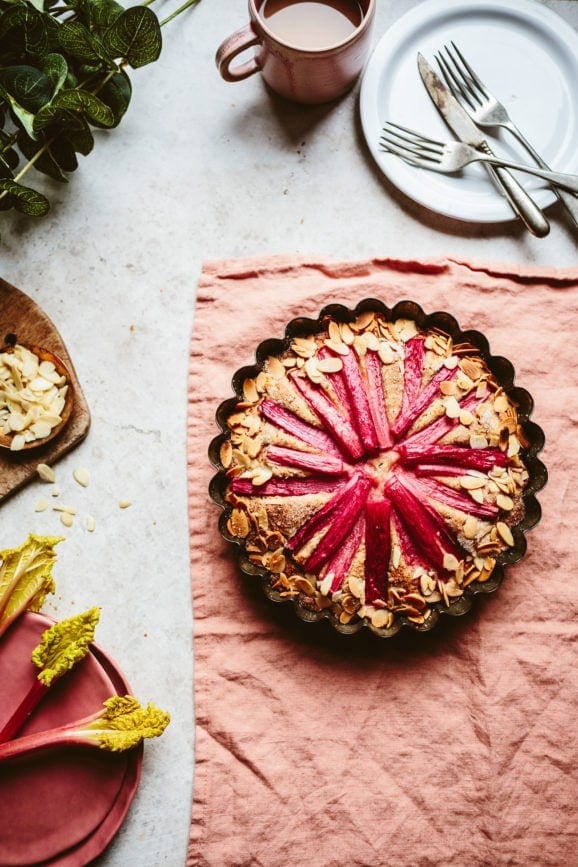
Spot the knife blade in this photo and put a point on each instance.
(466, 130)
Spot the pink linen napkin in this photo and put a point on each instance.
(455, 747)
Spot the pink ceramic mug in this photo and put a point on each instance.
(300, 74)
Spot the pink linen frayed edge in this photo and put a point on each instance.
(447, 748)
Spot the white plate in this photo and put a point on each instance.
(526, 54)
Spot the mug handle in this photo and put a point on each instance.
(231, 47)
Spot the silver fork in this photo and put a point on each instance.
(448, 157)
(486, 110)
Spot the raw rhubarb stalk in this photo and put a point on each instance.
(426, 396)
(62, 646)
(377, 399)
(325, 464)
(460, 456)
(377, 548)
(323, 516)
(340, 427)
(289, 422)
(435, 490)
(120, 725)
(285, 487)
(342, 523)
(428, 529)
(412, 371)
(338, 566)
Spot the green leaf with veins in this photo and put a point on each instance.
(80, 101)
(55, 68)
(135, 36)
(44, 163)
(76, 40)
(28, 86)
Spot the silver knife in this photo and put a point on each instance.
(466, 130)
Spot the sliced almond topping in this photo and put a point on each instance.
(371, 340)
(337, 346)
(501, 403)
(346, 333)
(226, 454)
(262, 476)
(385, 353)
(356, 587)
(238, 524)
(513, 446)
(470, 483)
(452, 408)
(364, 320)
(448, 387)
(477, 495)
(470, 527)
(504, 502)
(466, 417)
(505, 533)
(451, 562)
(250, 390)
(382, 619)
(330, 365)
(451, 362)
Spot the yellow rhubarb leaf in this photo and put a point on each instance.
(26, 577)
(64, 644)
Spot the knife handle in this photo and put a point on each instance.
(520, 201)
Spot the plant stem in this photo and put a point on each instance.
(23, 711)
(178, 11)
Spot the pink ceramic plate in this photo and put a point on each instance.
(61, 807)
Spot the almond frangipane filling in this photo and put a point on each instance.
(374, 470)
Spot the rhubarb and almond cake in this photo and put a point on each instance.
(375, 469)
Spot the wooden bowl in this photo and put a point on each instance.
(43, 355)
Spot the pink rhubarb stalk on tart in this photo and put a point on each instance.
(374, 470)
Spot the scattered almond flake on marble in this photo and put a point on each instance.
(90, 523)
(81, 476)
(124, 504)
(46, 473)
(41, 505)
(67, 519)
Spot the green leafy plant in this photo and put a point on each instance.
(63, 71)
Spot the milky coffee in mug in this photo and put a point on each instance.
(309, 51)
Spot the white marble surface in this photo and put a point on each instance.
(198, 169)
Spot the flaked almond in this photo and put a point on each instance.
(356, 586)
(41, 505)
(505, 533)
(451, 562)
(277, 562)
(448, 387)
(501, 403)
(226, 454)
(470, 483)
(90, 523)
(371, 341)
(262, 476)
(238, 524)
(81, 476)
(478, 495)
(452, 408)
(451, 362)
(382, 619)
(386, 354)
(470, 527)
(337, 346)
(478, 441)
(466, 417)
(46, 473)
(67, 519)
(504, 502)
(364, 320)
(330, 365)
(346, 333)
(124, 504)
(250, 392)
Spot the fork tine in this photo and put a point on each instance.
(417, 160)
(412, 132)
(467, 82)
(455, 84)
(401, 148)
(473, 76)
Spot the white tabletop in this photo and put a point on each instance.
(198, 169)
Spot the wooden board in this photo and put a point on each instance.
(21, 316)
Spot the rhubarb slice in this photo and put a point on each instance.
(428, 529)
(340, 427)
(342, 523)
(338, 566)
(377, 549)
(436, 490)
(376, 396)
(437, 429)
(325, 464)
(422, 401)
(292, 424)
(323, 515)
(285, 487)
(414, 363)
(458, 456)
(352, 389)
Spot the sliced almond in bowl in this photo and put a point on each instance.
(36, 397)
